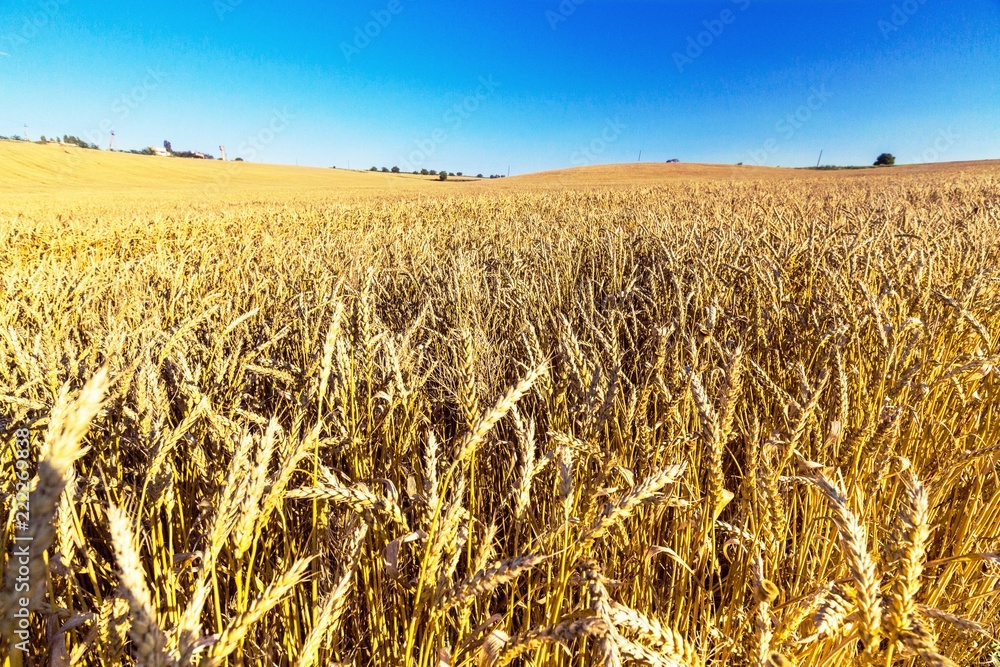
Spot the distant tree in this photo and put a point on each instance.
(167, 147)
(44, 140)
(373, 169)
(395, 170)
(77, 141)
(385, 170)
(443, 176)
(885, 160)
(239, 159)
(479, 175)
(433, 172)
(459, 174)
(424, 172)
(193, 155)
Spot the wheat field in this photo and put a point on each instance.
(699, 423)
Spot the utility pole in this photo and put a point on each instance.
(26, 132)
(640, 156)
(112, 143)
(508, 171)
(223, 150)
(820, 159)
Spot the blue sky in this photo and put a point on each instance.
(480, 86)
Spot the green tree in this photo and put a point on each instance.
(885, 160)
(443, 176)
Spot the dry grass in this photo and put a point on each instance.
(716, 423)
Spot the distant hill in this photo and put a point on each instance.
(27, 167)
(40, 168)
(649, 173)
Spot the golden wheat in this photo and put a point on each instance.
(685, 424)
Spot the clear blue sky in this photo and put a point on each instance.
(593, 82)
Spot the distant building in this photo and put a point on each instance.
(158, 150)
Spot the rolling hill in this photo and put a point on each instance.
(54, 168)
